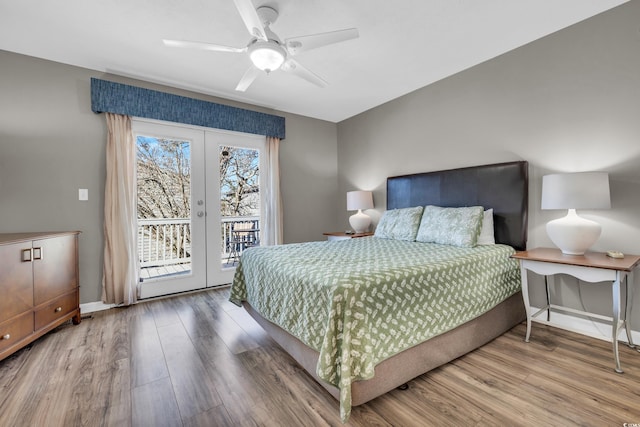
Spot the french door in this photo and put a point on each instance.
(196, 186)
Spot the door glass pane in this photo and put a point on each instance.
(239, 201)
(164, 206)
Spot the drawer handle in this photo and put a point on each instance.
(58, 309)
(6, 336)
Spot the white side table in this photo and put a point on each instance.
(593, 267)
(342, 235)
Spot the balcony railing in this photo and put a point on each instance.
(164, 241)
(167, 242)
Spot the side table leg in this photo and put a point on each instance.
(525, 298)
(629, 286)
(546, 286)
(616, 321)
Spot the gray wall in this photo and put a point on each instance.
(51, 144)
(568, 102)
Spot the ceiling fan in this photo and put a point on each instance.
(266, 51)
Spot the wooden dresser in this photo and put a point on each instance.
(39, 286)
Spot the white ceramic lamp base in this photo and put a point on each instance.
(360, 222)
(573, 234)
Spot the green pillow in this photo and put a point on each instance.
(451, 226)
(400, 224)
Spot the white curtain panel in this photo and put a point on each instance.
(121, 271)
(273, 209)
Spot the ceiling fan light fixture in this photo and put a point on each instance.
(267, 56)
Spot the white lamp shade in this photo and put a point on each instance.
(583, 190)
(573, 234)
(358, 200)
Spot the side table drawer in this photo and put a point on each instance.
(56, 309)
(15, 330)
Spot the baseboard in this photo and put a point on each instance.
(590, 327)
(90, 307)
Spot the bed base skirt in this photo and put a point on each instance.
(412, 362)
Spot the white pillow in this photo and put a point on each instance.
(486, 232)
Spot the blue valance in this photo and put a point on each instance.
(118, 98)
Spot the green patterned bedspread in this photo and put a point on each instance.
(360, 301)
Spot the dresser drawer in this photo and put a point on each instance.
(15, 330)
(56, 309)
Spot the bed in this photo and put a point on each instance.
(379, 314)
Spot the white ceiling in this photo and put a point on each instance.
(403, 45)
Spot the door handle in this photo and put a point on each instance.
(200, 214)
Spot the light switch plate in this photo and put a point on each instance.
(83, 194)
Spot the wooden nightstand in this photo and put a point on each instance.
(593, 267)
(342, 235)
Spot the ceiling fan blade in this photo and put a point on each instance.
(248, 78)
(251, 19)
(299, 44)
(292, 66)
(203, 46)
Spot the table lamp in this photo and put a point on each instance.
(358, 200)
(584, 190)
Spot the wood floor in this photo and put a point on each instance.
(198, 360)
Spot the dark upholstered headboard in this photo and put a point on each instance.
(503, 187)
